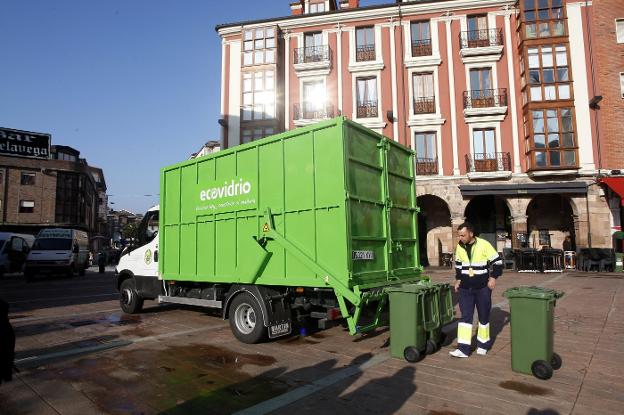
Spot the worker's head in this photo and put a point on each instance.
(466, 232)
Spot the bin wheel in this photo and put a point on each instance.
(431, 347)
(412, 354)
(555, 361)
(542, 370)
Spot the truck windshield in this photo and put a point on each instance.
(52, 244)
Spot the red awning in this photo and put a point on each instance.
(616, 184)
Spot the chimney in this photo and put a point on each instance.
(349, 4)
(297, 7)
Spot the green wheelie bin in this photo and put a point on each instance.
(532, 330)
(443, 305)
(412, 315)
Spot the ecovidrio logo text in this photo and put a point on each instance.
(227, 190)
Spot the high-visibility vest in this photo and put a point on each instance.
(482, 253)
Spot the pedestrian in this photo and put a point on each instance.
(475, 282)
(7, 344)
(567, 243)
(101, 261)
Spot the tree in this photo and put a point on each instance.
(130, 230)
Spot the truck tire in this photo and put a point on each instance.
(129, 300)
(246, 319)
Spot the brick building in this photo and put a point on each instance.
(54, 188)
(496, 97)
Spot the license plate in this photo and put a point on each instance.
(363, 255)
(280, 329)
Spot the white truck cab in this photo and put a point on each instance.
(58, 251)
(136, 275)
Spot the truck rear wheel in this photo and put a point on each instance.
(130, 300)
(246, 319)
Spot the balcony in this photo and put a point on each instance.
(481, 45)
(426, 166)
(481, 102)
(367, 109)
(488, 165)
(365, 53)
(424, 105)
(308, 113)
(312, 58)
(421, 47)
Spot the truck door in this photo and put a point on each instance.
(143, 259)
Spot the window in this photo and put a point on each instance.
(483, 143)
(258, 95)
(317, 7)
(313, 39)
(65, 156)
(552, 143)
(480, 79)
(482, 95)
(421, 38)
(366, 88)
(250, 134)
(619, 30)
(28, 179)
(424, 97)
(365, 44)
(313, 99)
(27, 206)
(313, 50)
(259, 46)
(621, 86)
(426, 148)
(548, 73)
(543, 18)
(478, 35)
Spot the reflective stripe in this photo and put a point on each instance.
(494, 257)
(474, 272)
(499, 262)
(464, 333)
(483, 333)
(475, 264)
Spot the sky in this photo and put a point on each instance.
(134, 85)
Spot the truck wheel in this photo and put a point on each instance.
(130, 301)
(246, 319)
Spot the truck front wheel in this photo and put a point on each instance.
(246, 319)
(130, 300)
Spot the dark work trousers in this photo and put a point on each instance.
(482, 299)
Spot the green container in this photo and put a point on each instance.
(411, 317)
(532, 330)
(328, 205)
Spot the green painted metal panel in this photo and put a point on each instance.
(341, 195)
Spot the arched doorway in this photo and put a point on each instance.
(550, 219)
(435, 234)
(491, 219)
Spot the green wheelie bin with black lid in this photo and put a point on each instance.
(532, 330)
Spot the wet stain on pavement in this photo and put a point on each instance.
(296, 341)
(192, 378)
(82, 323)
(122, 320)
(525, 388)
(444, 412)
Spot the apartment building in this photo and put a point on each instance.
(497, 98)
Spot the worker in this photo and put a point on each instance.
(475, 282)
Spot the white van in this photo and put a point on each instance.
(14, 248)
(58, 251)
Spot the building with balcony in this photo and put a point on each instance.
(492, 95)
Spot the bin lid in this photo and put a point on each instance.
(533, 292)
(408, 288)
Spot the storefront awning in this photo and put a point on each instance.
(616, 184)
(524, 188)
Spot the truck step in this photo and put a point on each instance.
(190, 301)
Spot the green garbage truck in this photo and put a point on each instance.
(312, 223)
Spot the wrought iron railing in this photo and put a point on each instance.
(365, 53)
(312, 111)
(421, 47)
(481, 38)
(484, 162)
(424, 105)
(426, 166)
(367, 109)
(312, 54)
(485, 98)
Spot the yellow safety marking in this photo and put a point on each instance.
(464, 333)
(483, 333)
(265, 228)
